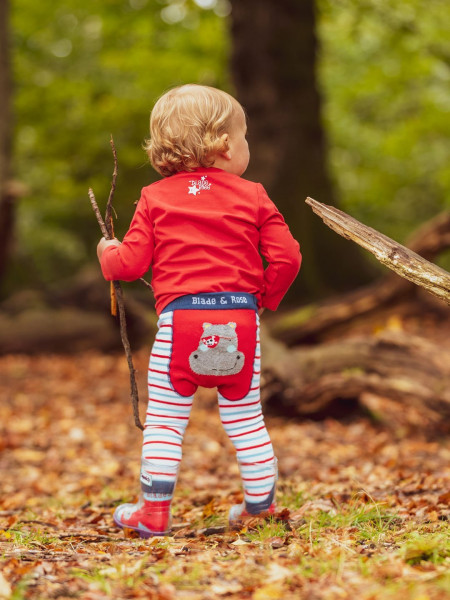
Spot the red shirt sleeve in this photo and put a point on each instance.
(279, 248)
(133, 257)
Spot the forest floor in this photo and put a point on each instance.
(363, 505)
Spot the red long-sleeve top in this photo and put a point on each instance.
(205, 231)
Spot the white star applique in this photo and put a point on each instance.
(193, 189)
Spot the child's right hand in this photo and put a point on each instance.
(104, 243)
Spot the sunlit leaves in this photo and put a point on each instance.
(385, 76)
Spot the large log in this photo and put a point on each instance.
(395, 365)
(309, 323)
(73, 317)
(407, 370)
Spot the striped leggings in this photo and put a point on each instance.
(169, 410)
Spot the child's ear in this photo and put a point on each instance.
(226, 152)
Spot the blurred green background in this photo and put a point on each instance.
(85, 70)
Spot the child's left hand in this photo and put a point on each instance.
(104, 243)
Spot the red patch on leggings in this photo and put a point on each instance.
(213, 348)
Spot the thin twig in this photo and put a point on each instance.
(122, 322)
(127, 348)
(105, 232)
(110, 223)
(149, 285)
(98, 214)
(108, 214)
(107, 226)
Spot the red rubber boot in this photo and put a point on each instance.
(147, 517)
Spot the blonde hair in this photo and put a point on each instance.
(186, 125)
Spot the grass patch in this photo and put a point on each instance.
(267, 530)
(364, 522)
(293, 498)
(426, 547)
(123, 573)
(28, 538)
(188, 577)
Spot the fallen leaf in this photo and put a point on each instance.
(209, 509)
(277, 572)
(444, 499)
(5, 588)
(240, 542)
(223, 589)
(268, 592)
(312, 507)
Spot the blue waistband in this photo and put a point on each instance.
(214, 301)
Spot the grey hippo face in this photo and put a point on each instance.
(213, 363)
(217, 352)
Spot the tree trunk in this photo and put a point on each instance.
(6, 195)
(274, 71)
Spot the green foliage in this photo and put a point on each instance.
(84, 71)
(384, 70)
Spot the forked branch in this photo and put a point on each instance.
(108, 233)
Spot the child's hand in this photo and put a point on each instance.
(104, 243)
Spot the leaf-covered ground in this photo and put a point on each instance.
(363, 506)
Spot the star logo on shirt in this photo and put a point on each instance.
(197, 185)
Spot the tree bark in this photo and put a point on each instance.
(398, 258)
(274, 71)
(6, 192)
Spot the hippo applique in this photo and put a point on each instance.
(217, 353)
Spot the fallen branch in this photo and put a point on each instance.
(396, 257)
(312, 322)
(108, 233)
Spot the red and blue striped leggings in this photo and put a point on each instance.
(211, 340)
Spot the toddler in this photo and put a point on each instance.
(202, 229)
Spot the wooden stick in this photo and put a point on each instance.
(122, 321)
(127, 348)
(110, 223)
(108, 214)
(393, 255)
(98, 214)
